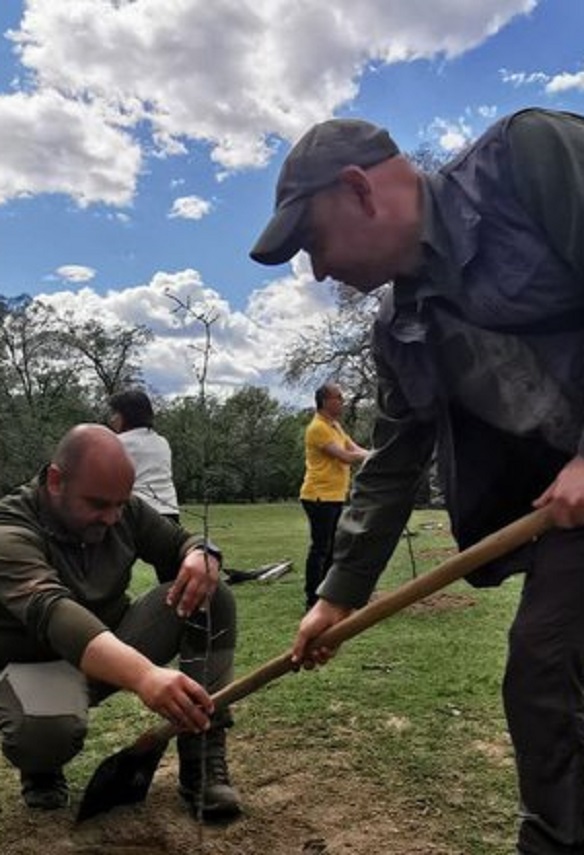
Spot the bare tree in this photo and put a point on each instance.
(339, 349)
(110, 353)
(40, 394)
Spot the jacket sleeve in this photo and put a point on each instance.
(382, 497)
(32, 593)
(547, 157)
(160, 541)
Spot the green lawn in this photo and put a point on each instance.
(419, 694)
(415, 701)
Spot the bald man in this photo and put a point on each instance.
(479, 344)
(70, 635)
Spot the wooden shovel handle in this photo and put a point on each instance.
(493, 546)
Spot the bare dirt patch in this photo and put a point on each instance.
(499, 752)
(443, 601)
(297, 802)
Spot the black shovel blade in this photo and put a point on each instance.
(122, 779)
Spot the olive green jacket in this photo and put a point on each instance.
(57, 593)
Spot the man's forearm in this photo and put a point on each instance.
(166, 691)
(109, 660)
(346, 455)
(380, 504)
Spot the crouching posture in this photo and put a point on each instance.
(70, 635)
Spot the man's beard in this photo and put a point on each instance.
(94, 533)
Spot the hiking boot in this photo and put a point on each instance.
(45, 790)
(205, 784)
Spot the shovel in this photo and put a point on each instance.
(125, 777)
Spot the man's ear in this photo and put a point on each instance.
(54, 479)
(357, 180)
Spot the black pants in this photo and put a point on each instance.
(544, 696)
(323, 518)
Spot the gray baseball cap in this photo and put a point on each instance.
(313, 164)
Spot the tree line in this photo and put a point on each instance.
(56, 372)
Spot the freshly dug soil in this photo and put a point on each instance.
(297, 802)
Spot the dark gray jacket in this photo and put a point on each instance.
(483, 350)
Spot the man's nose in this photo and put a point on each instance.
(318, 268)
(110, 516)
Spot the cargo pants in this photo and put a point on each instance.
(44, 705)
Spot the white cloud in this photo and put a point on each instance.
(121, 217)
(552, 83)
(51, 144)
(524, 78)
(566, 81)
(487, 111)
(190, 208)
(75, 273)
(225, 73)
(451, 135)
(247, 346)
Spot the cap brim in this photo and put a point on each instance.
(282, 237)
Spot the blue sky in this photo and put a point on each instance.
(141, 141)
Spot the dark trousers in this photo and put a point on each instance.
(544, 697)
(323, 518)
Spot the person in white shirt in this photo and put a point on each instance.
(132, 417)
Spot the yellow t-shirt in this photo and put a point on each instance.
(326, 478)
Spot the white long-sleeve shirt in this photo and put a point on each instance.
(152, 459)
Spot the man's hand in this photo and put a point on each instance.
(565, 496)
(320, 617)
(176, 697)
(197, 579)
(170, 693)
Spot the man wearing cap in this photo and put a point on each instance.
(479, 347)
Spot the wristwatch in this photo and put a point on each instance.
(208, 548)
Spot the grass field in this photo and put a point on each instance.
(414, 702)
(420, 692)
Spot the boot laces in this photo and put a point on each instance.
(216, 771)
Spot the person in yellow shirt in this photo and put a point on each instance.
(329, 453)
